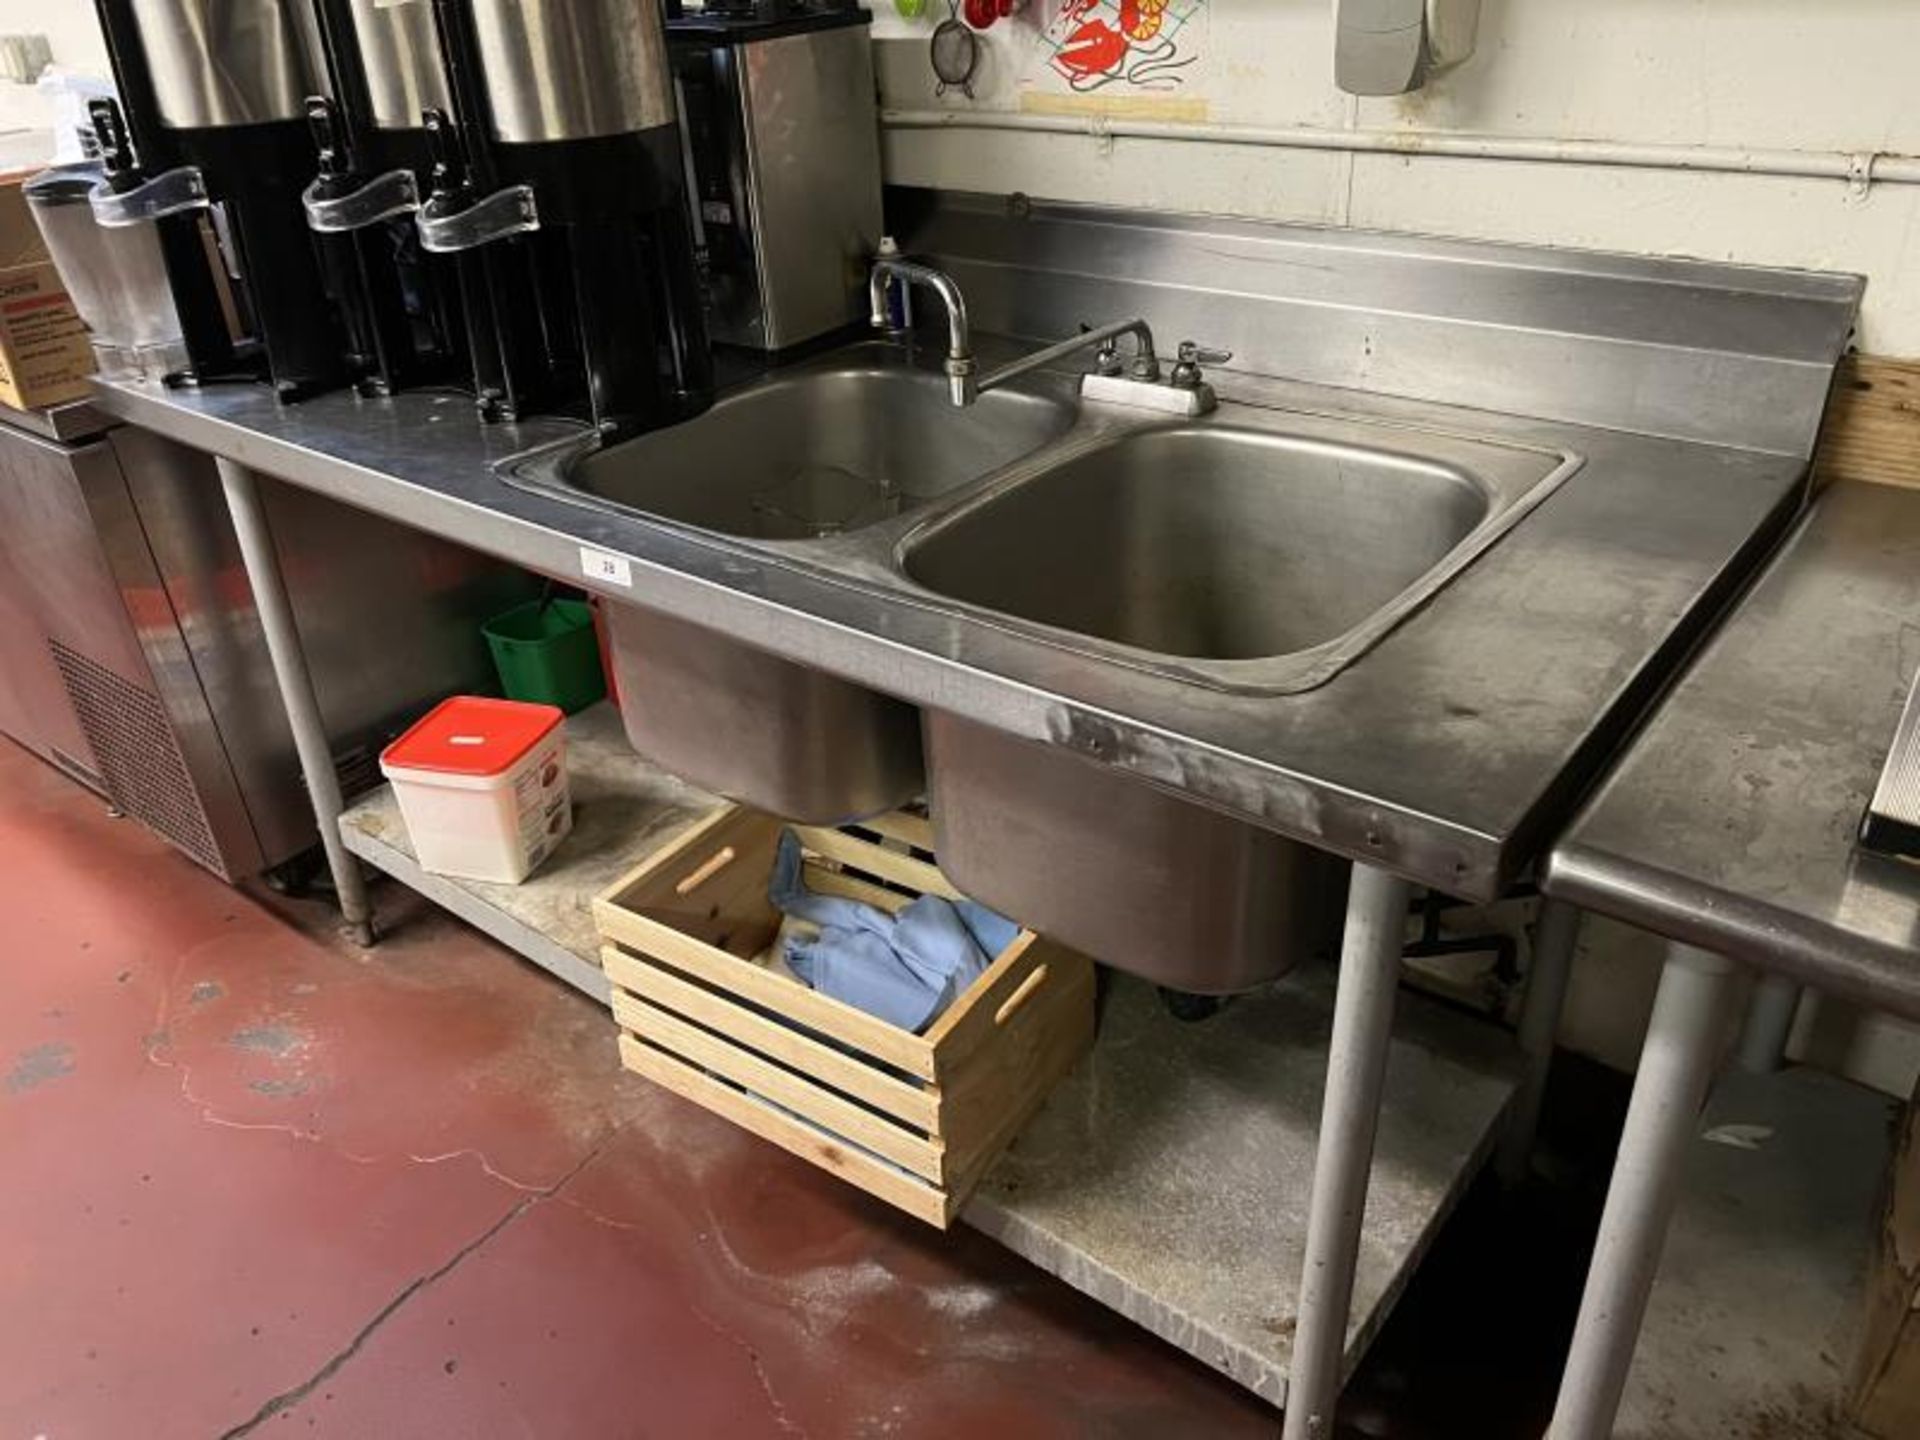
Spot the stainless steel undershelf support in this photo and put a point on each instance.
(1555, 939)
(1769, 1024)
(1676, 1068)
(295, 680)
(1349, 1119)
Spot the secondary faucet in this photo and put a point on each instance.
(964, 384)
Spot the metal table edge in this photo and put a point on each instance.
(1732, 924)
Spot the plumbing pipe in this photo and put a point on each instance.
(1555, 941)
(1858, 168)
(1768, 1025)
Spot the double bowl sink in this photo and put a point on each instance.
(1253, 551)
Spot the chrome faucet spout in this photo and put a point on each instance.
(959, 364)
(959, 332)
(964, 384)
(1146, 362)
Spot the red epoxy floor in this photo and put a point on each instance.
(253, 1181)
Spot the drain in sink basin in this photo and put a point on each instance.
(820, 500)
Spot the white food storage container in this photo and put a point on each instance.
(482, 785)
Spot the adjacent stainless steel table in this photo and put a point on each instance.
(1729, 828)
(1730, 822)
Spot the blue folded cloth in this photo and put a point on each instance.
(905, 969)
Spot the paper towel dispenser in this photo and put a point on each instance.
(1388, 47)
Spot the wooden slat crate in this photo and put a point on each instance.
(913, 1119)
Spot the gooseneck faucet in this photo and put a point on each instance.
(963, 382)
(960, 367)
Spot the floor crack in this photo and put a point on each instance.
(326, 1372)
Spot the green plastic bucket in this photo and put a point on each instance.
(547, 654)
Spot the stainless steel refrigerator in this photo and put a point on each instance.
(131, 654)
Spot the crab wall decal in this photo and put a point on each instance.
(1092, 44)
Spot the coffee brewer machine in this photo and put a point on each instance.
(784, 133)
(568, 152)
(215, 149)
(399, 304)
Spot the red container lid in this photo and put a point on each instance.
(468, 735)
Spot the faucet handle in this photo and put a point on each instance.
(1106, 360)
(1190, 357)
(1193, 353)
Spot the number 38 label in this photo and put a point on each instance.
(607, 569)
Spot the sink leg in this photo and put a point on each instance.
(1676, 1069)
(290, 670)
(1769, 1024)
(1554, 942)
(1349, 1117)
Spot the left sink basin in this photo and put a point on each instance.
(758, 728)
(825, 449)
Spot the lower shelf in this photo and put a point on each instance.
(1169, 1175)
(1756, 1314)
(623, 809)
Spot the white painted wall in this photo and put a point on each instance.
(74, 34)
(68, 24)
(1798, 74)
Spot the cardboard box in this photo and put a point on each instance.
(46, 357)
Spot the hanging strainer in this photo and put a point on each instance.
(956, 53)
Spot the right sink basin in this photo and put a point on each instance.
(1142, 880)
(1253, 551)
(1248, 551)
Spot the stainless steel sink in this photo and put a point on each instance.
(818, 453)
(824, 449)
(1252, 551)
(758, 728)
(1148, 882)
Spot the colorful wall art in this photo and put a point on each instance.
(1124, 46)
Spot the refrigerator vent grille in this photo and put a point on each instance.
(359, 771)
(145, 773)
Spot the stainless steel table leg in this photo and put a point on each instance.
(1554, 942)
(1349, 1117)
(296, 691)
(1676, 1069)
(1769, 1024)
